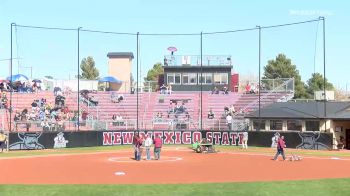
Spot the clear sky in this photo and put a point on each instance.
(54, 52)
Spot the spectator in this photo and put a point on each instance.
(17, 117)
(225, 90)
(165, 61)
(226, 110)
(253, 89)
(56, 90)
(84, 115)
(210, 114)
(215, 90)
(45, 125)
(169, 89)
(93, 101)
(247, 88)
(116, 98)
(232, 110)
(59, 101)
(162, 89)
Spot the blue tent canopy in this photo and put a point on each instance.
(110, 79)
(18, 77)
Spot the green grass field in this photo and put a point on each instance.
(313, 187)
(332, 187)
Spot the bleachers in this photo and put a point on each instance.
(152, 103)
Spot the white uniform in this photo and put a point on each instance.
(245, 140)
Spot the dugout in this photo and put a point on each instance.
(306, 118)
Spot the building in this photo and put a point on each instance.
(183, 73)
(306, 117)
(120, 66)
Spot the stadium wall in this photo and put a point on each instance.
(49, 140)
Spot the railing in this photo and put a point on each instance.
(195, 60)
(280, 88)
(128, 124)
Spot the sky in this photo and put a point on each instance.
(53, 52)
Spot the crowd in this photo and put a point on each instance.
(117, 120)
(216, 90)
(45, 114)
(166, 89)
(251, 89)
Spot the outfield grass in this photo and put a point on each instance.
(333, 187)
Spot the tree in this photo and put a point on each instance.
(316, 83)
(89, 71)
(282, 67)
(153, 75)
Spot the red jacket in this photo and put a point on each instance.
(281, 144)
(157, 142)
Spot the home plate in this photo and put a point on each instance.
(119, 173)
(335, 158)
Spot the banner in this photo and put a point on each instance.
(48, 140)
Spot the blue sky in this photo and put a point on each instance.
(54, 52)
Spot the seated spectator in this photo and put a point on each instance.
(56, 90)
(93, 101)
(32, 116)
(120, 98)
(163, 89)
(17, 117)
(84, 115)
(158, 117)
(247, 88)
(59, 101)
(45, 125)
(24, 114)
(215, 90)
(35, 87)
(34, 105)
(226, 110)
(66, 113)
(114, 98)
(117, 120)
(42, 102)
(3, 101)
(169, 89)
(42, 115)
(232, 110)
(210, 114)
(225, 90)
(253, 89)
